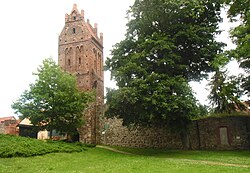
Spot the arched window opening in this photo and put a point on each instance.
(95, 59)
(100, 61)
(74, 30)
(95, 64)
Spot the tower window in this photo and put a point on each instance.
(74, 30)
(68, 61)
(74, 17)
(80, 60)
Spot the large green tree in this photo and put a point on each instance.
(239, 10)
(53, 101)
(225, 93)
(167, 44)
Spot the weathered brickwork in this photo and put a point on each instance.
(9, 127)
(204, 134)
(81, 53)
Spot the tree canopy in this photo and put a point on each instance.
(167, 44)
(172, 37)
(225, 93)
(240, 10)
(53, 101)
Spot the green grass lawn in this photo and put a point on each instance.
(101, 160)
(230, 157)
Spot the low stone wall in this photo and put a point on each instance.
(119, 135)
(227, 133)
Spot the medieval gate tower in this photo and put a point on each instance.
(80, 52)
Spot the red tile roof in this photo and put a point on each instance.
(7, 118)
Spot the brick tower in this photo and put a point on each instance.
(80, 52)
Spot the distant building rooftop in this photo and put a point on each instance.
(7, 118)
(26, 122)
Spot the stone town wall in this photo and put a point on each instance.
(207, 133)
(226, 133)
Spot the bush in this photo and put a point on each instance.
(16, 146)
(90, 145)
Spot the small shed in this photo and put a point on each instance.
(27, 129)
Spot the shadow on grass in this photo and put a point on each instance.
(220, 156)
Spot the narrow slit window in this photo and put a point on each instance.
(80, 61)
(68, 61)
(100, 65)
(74, 30)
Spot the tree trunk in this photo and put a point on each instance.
(185, 140)
(50, 134)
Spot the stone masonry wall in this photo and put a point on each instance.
(118, 135)
(204, 134)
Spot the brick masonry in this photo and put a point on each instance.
(80, 52)
(9, 127)
(204, 134)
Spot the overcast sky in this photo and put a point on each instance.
(29, 33)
